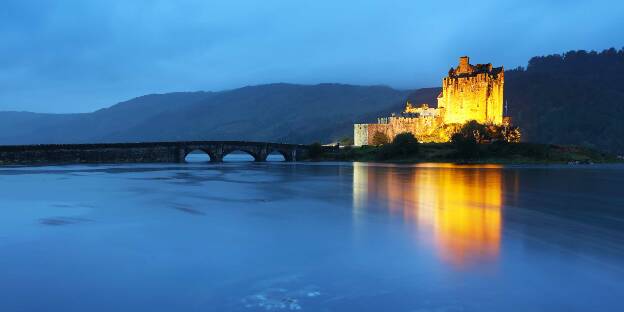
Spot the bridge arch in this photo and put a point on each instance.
(197, 156)
(275, 156)
(241, 151)
(286, 154)
(202, 153)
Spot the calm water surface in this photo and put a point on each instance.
(311, 237)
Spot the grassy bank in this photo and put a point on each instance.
(502, 153)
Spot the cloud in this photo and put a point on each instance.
(76, 56)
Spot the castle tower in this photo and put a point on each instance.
(472, 92)
(464, 65)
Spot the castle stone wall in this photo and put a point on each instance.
(425, 129)
(360, 134)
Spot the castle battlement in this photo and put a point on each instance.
(465, 69)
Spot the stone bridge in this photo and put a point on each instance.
(149, 152)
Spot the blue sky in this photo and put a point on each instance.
(79, 56)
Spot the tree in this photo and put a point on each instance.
(466, 145)
(512, 134)
(479, 132)
(380, 138)
(315, 151)
(405, 144)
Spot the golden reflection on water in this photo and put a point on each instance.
(460, 206)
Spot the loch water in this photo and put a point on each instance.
(278, 236)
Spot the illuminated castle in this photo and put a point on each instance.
(469, 92)
(472, 92)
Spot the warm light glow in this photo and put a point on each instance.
(458, 208)
(468, 214)
(472, 92)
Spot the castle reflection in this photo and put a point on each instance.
(457, 208)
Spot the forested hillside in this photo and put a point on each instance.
(573, 98)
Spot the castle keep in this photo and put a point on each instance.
(472, 92)
(469, 92)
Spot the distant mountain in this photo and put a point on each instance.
(574, 98)
(275, 112)
(28, 128)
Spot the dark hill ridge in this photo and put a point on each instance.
(574, 98)
(274, 112)
(29, 128)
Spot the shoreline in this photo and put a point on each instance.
(491, 153)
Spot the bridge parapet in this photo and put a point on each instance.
(148, 152)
